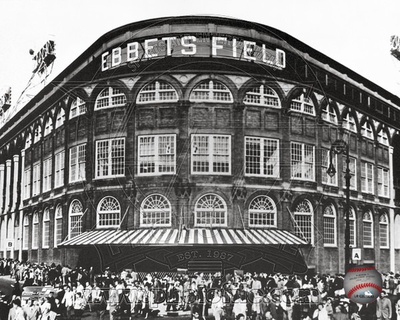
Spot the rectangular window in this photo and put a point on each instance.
(46, 234)
(27, 183)
(25, 241)
(59, 169)
(35, 236)
(367, 177)
(36, 179)
(302, 161)
(47, 174)
(353, 170)
(157, 155)
(77, 169)
(383, 182)
(326, 179)
(329, 231)
(262, 157)
(211, 154)
(383, 236)
(367, 234)
(110, 158)
(58, 236)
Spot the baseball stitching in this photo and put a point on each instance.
(364, 285)
(361, 269)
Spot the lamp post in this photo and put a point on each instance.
(339, 147)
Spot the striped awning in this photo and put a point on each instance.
(186, 237)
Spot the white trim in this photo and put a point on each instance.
(109, 159)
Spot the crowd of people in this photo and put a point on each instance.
(239, 296)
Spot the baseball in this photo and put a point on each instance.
(363, 284)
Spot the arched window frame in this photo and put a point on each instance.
(330, 226)
(328, 114)
(110, 97)
(58, 226)
(353, 226)
(303, 104)
(211, 91)
(157, 92)
(383, 137)
(28, 141)
(304, 218)
(155, 210)
(46, 228)
(207, 216)
(262, 212)
(25, 235)
(78, 107)
(60, 119)
(35, 230)
(38, 134)
(108, 213)
(349, 123)
(75, 215)
(262, 95)
(366, 130)
(48, 128)
(368, 230)
(384, 231)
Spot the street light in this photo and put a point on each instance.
(339, 147)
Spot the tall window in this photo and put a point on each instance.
(158, 91)
(330, 231)
(366, 130)
(38, 134)
(383, 138)
(210, 211)
(157, 155)
(59, 169)
(110, 158)
(302, 161)
(353, 227)
(262, 212)
(108, 213)
(384, 231)
(109, 98)
(383, 182)
(25, 235)
(47, 174)
(78, 107)
(58, 226)
(353, 172)
(36, 179)
(367, 177)
(155, 210)
(349, 123)
(329, 114)
(77, 169)
(75, 218)
(262, 157)
(368, 230)
(303, 216)
(211, 91)
(397, 227)
(326, 179)
(46, 228)
(48, 128)
(27, 183)
(28, 141)
(60, 118)
(35, 231)
(262, 96)
(211, 154)
(303, 104)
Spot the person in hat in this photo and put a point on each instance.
(383, 307)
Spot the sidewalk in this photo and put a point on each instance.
(182, 315)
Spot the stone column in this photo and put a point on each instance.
(391, 213)
(2, 167)
(15, 183)
(22, 180)
(8, 187)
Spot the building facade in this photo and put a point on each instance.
(201, 143)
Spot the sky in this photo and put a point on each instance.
(354, 33)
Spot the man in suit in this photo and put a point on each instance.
(383, 307)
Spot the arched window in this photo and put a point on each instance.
(38, 134)
(75, 218)
(382, 137)
(155, 210)
(329, 114)
(353, 227)
(211, 91)
(330, 230)
(210, 211)
(157, 91)
(35, 231)
(28, 141)
(48, 128)
(262, 212)
(78, 107)
(349, 123)
(108, 213)
(397, 227)
(110, 97)
(60, 118)
(368, 230)
(25, 235)
(58, 224)
(303, 216)
(262, 96)
(384, 231)
(366, 130)
(46, 228)
(303, 104)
